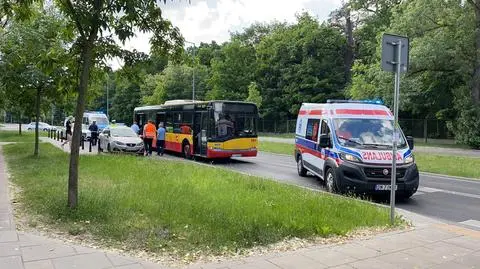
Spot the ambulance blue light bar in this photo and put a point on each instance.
(373, 102)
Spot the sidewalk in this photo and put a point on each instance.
(431, 244)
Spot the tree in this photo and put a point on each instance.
(33, 58)
(303, 62)
(97, 23)
(175, 82)
(232, 72)
(254, 94)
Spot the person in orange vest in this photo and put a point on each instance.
(149, 134)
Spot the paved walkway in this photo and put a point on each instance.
(431, 244)
(424, 149)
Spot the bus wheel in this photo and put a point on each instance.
(331, 181)
(186, 150)
(300, 169)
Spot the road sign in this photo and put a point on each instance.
(394, 59)
(390, 44)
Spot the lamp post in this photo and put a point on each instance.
(193, 68)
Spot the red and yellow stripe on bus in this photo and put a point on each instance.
(174, 141)
(238, 147)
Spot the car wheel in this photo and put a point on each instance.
(186, 151)
(300, 168)
(331, 181)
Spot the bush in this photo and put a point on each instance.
(467, 125)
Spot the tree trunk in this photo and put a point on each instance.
(349, 54)
(476, 71)
(20, 123)
(86, 61)
(37, 114)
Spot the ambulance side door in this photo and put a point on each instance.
(310, 156)
(324, 130)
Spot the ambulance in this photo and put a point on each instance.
(348, 144)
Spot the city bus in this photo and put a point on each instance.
(208, 129)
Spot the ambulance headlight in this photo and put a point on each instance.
(409, 159)
(350, 157)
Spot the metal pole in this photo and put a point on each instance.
(395, 132)
(193, 77)
(107, 99)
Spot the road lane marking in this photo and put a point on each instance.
(429, 190)
(471, 222)
(451, 178)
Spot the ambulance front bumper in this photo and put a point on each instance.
(374, 179)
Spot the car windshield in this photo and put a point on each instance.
(366, 133)
(122, 132)
(99, 120)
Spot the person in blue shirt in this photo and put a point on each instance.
(160, 139)
(135, 127)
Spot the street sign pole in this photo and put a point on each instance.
(395, 130)
(394, 59)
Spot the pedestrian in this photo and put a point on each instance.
(135, 127)
(93, 128)
(68, 131)
(149, 133)
(160, 139)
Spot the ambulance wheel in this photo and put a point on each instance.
(186, 150)
(331, 181)
(300, 169)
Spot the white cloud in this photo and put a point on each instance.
(207, 20)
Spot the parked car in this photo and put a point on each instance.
(41, 126)
(120, 139)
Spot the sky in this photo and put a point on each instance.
(207, 20)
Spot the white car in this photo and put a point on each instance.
(120, 139)
(41, 126)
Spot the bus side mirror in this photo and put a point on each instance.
(410, 142)
(325, 141)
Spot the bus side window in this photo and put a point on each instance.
(169, 122)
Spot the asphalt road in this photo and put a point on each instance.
(446, 198)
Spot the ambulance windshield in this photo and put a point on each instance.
(366, 133)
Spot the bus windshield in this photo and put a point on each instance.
(363, 133)
(233, 120)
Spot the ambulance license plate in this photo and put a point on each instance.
(381, 187)
(236, 155)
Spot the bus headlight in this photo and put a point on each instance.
(350, 157)
(409, 159)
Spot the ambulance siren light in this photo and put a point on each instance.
(374, 102)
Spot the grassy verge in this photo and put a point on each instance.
(448, 165)
(276, 147)
(12, 136)
(283, 135)
(440, 145)
(439, 164)
(177, 207)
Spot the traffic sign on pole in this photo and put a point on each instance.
(394, 59)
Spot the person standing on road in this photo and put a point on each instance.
(68, 131)
(160, 139)
(93, 128)
(149, 133)
(135, 127)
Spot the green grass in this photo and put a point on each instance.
(12, 136)
(276, 147)
(177, 207)
(449, 165)
(277, 135)
(440, 145)
(433, 163)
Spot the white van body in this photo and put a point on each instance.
(348, 144)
